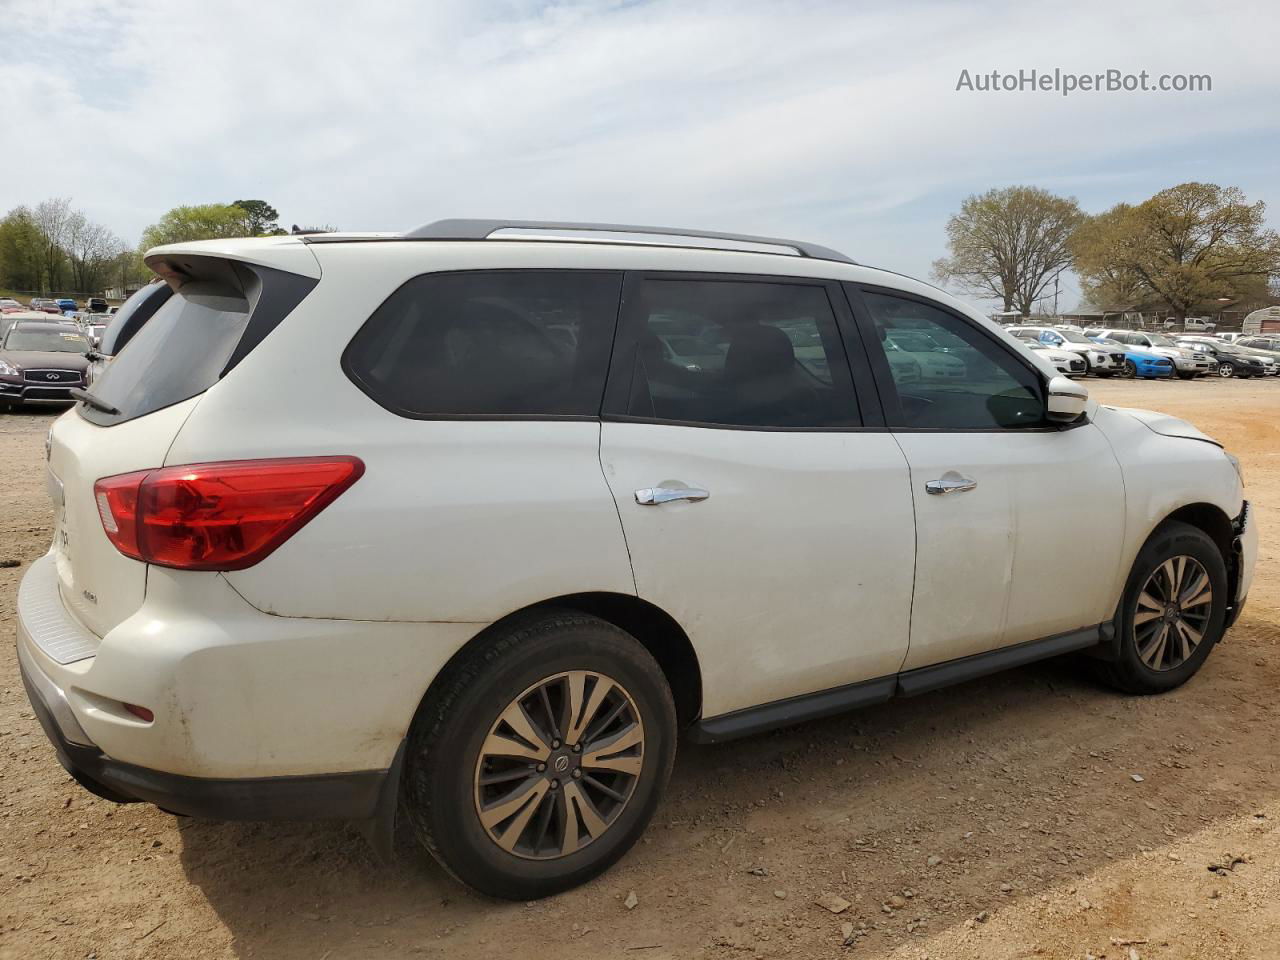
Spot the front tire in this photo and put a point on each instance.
(540, 756)
(1226, 370)
(1130, 370)
(1173, 611)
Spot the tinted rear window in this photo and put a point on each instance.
(179, 353)
(489, 344)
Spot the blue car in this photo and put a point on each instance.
(1139, 362)
(66, 303)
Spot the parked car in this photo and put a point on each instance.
(45, 305)
(1259, 344)
(1233, 361)
(40, 362)
(1189, 362)
(1101, 362)
(466, 571)
(9, 317)
(1067, 362)
(1139, 362)
(66, 304)
(1270, 360)
(1231, 337)
(934, 362)
(692, 353)
(8, 303)
(96, 305)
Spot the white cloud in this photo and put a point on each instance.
(833, 121)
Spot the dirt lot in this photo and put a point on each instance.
(1000, 819)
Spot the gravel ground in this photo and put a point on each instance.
(999, 819)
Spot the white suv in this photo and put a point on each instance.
(431, 525)
(1099, 359)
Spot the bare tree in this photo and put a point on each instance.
(91, 248)
(51, 219)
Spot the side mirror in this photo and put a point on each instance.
(1067, 400)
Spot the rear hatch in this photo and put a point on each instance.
(222, 308)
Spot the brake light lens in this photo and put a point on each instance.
(218, 516)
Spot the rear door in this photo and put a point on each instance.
(221, 309)
(759, 508)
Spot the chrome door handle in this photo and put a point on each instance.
(950, 484)
(652, 496)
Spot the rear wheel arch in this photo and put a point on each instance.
(655, 630)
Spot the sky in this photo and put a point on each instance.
(831, 121)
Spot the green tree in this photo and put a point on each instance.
(1112, 282)
(260, 217)
(207, 221)
(1186, 247)
(1008, 244)
(21, 251)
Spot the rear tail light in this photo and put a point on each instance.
(218, 516)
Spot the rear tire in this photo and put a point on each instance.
(1172, 613)
(463, 786)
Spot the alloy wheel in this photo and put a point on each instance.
(1172, 612)
(559, 765)
(1225, 370)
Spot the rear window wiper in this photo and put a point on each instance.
(96, 402)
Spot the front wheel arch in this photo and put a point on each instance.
(1205, 517)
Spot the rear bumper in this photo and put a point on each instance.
(345, 796)
(255, 716)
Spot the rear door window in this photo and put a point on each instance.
(742, 353)
(490, 344)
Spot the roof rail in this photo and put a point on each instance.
(485, 229)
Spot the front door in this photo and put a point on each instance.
(758, 512)
(1018, 521)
